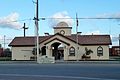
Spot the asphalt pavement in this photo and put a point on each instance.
(61, 71)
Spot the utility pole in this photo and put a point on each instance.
(119, 43)
(37, 26)
(37, 29)
(4, 41)
(24, 29)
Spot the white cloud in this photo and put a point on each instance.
(10, 21)
(109, 15)
(97, 32)
(61, 15)
(115, 40)
(104, 15)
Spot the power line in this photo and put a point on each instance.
(20, 20)
(43, 18)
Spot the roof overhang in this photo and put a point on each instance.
(58, 40)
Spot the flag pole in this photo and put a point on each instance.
(77, 35)
(37, 30)
(37, 25)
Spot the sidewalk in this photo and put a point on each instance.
(89, 62)
(17, 62)
(62, 62)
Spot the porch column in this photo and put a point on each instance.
(66, 52)
(48, 51)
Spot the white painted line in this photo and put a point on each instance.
(50, 76)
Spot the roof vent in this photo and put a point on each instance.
(79, 33)
(46, 34)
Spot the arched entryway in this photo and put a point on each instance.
(57, 51)
(43, 50)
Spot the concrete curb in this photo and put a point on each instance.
(62, 62)
(90, 62)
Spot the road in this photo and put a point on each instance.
(60, 71)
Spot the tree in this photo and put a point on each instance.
(7, 52)
(87, 53)
(34, 51)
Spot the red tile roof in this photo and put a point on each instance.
(82, 40)
(92, 39)
(27, 41)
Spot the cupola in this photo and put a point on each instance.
(62, 28)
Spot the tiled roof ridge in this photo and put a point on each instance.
(83, 39)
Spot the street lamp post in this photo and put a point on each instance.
(37, 29)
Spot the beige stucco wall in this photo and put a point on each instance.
(21, 53)
(66, 47)
(49, 49)
(94, 49)
(24, 53)
(67, 31)
(79, 49)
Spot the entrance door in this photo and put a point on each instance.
(57, 52)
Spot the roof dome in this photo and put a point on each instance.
(62, 24)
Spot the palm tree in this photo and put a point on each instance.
(87, 53)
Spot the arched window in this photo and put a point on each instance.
(43, 50)
(100, 51)
(72, 51)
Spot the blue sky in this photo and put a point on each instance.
(12, 10)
